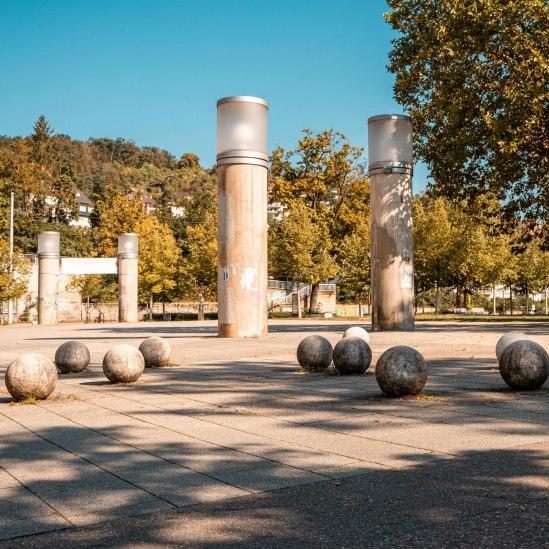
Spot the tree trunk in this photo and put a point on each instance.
(359, 306)
(546, 299)
(503, 309)
(436, 299)
(151, 307)
(494, 301)
(298, 302)
(313, 300)
(201, 307)
(511, 299)
(423, 301)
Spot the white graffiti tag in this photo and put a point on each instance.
(247, 278)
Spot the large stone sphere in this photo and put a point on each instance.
(123, 364)
(156, 352)
(507, 339)
(357, 331)
(32, 375)
(314, 353)
(352, 355)
(72, 357)
(524, 364)
(401, 371)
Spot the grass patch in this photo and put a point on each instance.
(423, 397)
(28, 400)
(481, 318)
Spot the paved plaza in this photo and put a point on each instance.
(233, 446)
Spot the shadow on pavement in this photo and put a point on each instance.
(490, 499)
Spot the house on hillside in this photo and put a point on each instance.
(84, 210)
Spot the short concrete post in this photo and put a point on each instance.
(242, 157)
(48, 277)
(390, 170)
(127, 277)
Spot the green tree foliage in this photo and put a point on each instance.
(14, 273)
(159, 259)
(474, 76)
(159, 255)
(325, 175)
(42, 182)
(454, 248)
(532, 269)
(300, 247)
(200, 261)
(355, 259)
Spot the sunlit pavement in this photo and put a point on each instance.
(234, 446)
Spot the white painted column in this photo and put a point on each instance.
(242, 200)
(127, 277)
(48, 277)
(392, 259)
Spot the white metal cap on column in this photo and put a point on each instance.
(242, 130)
(128, 246)
(390, 144)
(48, 244)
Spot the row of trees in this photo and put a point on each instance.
(321, 232)
(467, 252)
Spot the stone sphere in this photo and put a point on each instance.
(401, 371)
(156, 352)
(524, 364)
(357, 331)
(123, 364)
(507, 339)
(314, 353)
(72, 357)
(352, 355)
(32, 375)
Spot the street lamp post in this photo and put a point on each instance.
(11, 299)
(48, 277)
(128, 248)
(390, 167)
(242, 159)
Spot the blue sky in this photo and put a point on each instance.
(153, 71)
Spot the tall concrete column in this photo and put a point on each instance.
(392, 257)
(127, 277)
(48, 277)
(242, 157)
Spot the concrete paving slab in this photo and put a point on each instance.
(17, 527)
(238, 416)
(272, 477)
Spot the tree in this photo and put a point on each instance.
(500, 263)
(299, 247)
(189, 160)
(434, 244)
(355, 258)
(324, 174)
(473, 76)
(532, 269)
(42, 140)
(200, 262)
(159, 255)
(14, 273)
